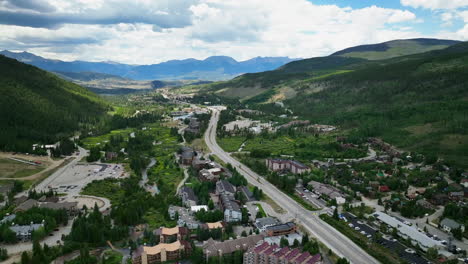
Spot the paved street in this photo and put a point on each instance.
(333, 239)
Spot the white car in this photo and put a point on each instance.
(351, 225)
(357, 228)
(363, 232)
(409, 250)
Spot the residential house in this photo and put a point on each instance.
(448, 225)
(212, 174)
(7, 218)
(70, 207)
(425, 204)
(188, 197)
(199, 164)
(26, 205)
(184, 217)
(456, 196)
(291, 166)
(187, 156)
(196, 208)
(232, 211)
(464, 182)
(225, 187)
(272, 253)
(384, 188)
(212, 248)
(193, 126)
(24, 232)
(163, 252)
(247, 193)
(439, 199)
(215, 225)
(110, 155)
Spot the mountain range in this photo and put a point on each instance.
(211, 68)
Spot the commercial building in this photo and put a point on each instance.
(281, 229)
(263, 223)
(408, 232)
(292, 166)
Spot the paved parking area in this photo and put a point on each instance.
(74, 179)
(387, 241)
(311, 198)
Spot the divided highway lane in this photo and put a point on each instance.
(333, 239)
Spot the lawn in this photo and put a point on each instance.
(90, 142)
(107, 188)
(155, 219)
(111, 257)
(302, 147)
(230, 144)
(15, 169)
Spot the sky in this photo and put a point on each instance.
(152, 31)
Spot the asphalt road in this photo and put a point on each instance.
(333, 239)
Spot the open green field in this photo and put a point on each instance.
(15, 169)
(107, 188)
(155, 219)
(90, 142)
(307, 147)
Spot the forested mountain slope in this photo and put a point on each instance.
(418, 102)
(37, 106)
(255, 87)
(395, 48)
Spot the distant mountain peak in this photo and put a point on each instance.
(212, 68)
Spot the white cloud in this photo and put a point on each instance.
(435, 4)
(241, 29)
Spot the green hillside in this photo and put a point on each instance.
(417, 102)
(38, 106)
(394, 48)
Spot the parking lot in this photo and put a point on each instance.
(71, 181)
(389, 242)
(311, 198)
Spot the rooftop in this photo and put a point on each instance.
(266, 221)
(167, 247)
(407, 230)
(281, 227)
(450, 223)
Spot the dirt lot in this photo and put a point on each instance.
(15, 169)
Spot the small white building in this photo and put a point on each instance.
(448, 225)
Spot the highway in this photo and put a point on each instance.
(338, 243)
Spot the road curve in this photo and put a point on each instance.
(333, 239)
